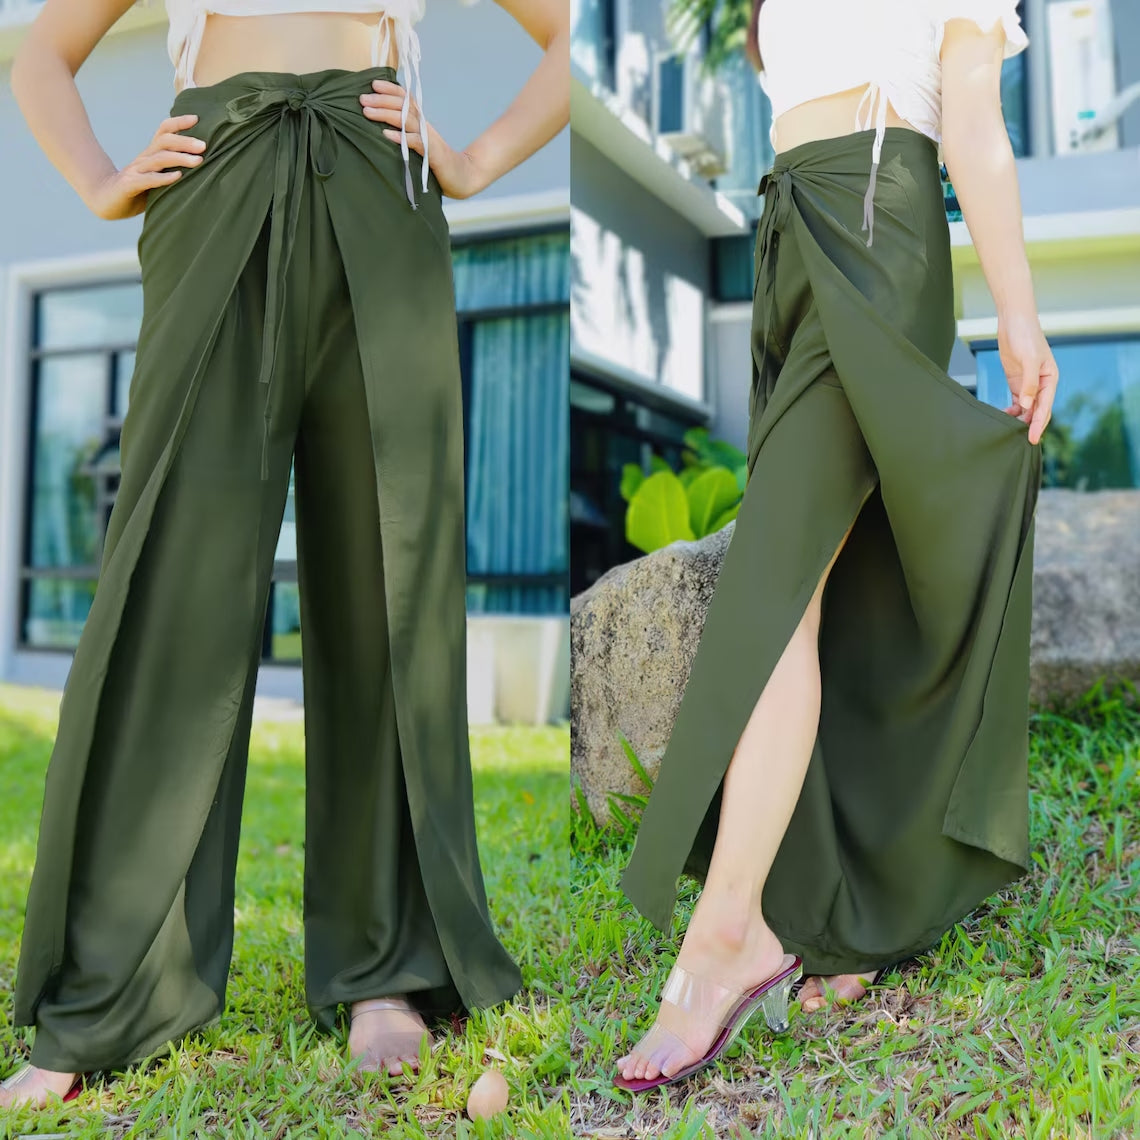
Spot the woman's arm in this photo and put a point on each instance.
(61, 37)
(980, 161)
(539, 111)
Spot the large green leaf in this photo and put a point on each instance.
(709, 497)
(631, 478)
(712, 452)
(658, 513)
(725, 518)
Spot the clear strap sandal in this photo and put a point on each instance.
(21, 1075)
(727, 1005)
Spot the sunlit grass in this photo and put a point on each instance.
(1023, 1023)
(265, 1070)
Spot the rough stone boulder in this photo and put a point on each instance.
(635, 631)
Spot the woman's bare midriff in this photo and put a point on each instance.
(828, 117)
(295, 42)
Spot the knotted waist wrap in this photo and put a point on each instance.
(776, 186)
(186, 41)
(305, 132)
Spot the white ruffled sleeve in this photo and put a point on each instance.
(984, 13)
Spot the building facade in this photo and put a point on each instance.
(71, 303)
(666, 161)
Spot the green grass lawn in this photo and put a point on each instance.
(1024, 1022)
(265, 1070)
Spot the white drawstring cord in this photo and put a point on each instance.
(873, 91)
(408, 45)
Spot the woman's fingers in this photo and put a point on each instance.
(1043, 411)
(145, 179)
(391, 112)
(169, 141)
(1030, 368)
(415, 139)
(158, 159)
(175, 123)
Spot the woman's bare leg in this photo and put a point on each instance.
(727, 938)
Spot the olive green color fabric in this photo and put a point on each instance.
(293, 238)
(915, 802)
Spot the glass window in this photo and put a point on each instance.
(54, 611)
(68, 427)
(734, 266)
(513, 296)
(593, 39)
(749, 118)
(1015, 101)
(1093, 440)
(89, 316)
(609, 429)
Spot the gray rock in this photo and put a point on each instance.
(634, 633)
(1086, 593)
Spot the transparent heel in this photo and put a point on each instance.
(775, 1003)
(731, 1008)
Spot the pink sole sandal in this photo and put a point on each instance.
(20, 1074)
(732, 1007)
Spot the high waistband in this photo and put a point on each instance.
(335, 78)
(845, 154)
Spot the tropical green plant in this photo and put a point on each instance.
(723, 23)
(704, 496)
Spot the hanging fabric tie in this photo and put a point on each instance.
(408, 46)
(873, 92)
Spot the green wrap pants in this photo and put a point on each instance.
(915, 801)
(294, 303)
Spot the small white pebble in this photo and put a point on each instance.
(488, 1095)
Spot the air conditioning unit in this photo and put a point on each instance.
(690, 113)
(1083, 73)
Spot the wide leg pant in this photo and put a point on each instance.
(915, 801)
(294, 302)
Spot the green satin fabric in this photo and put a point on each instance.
(293, 301)
(915, 803)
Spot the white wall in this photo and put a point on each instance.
(639, 280)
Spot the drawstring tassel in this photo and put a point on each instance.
(408, 43)
(869, 204)
(874, 91)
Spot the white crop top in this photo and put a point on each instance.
(188, 20)
(893, 46)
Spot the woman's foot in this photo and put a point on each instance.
(386, 1033)
(817, 992)
(30, 1086)
(738, 953)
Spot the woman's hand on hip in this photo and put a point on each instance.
(454, 170)
(1030, 370)
(122, 193)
